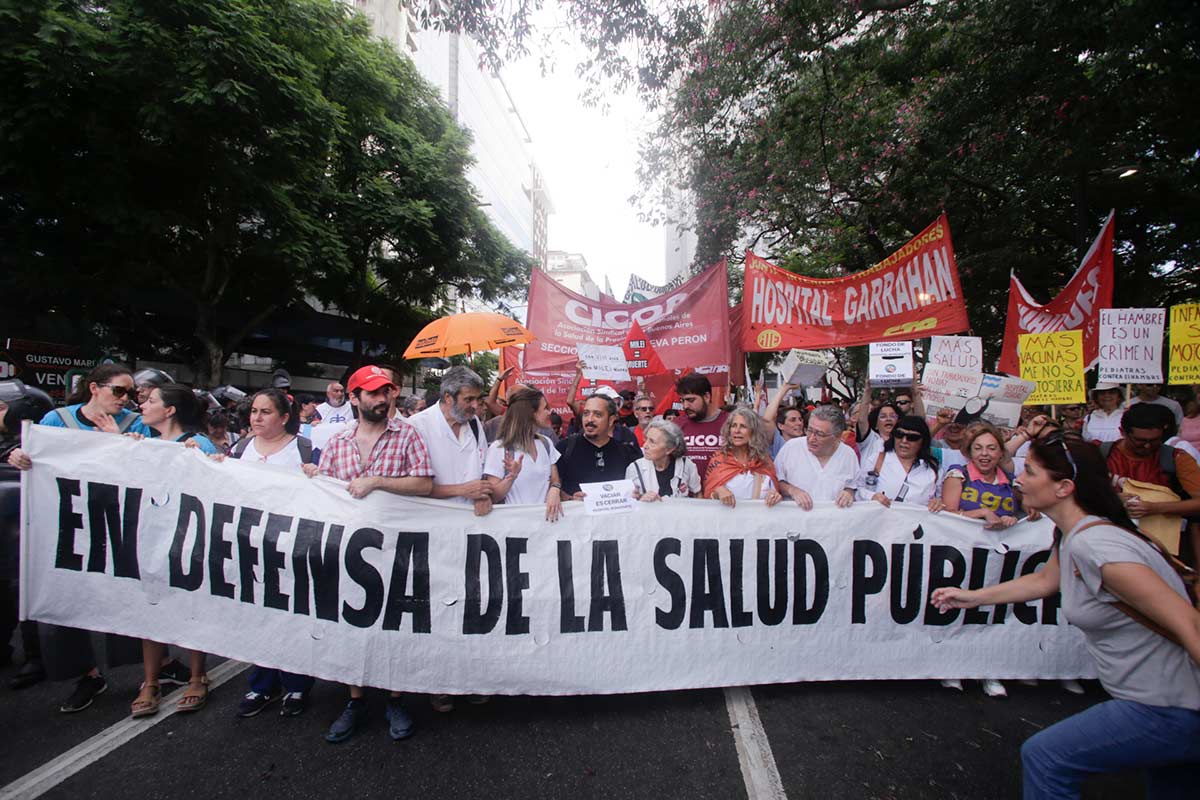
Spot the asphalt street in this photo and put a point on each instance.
(847, 739)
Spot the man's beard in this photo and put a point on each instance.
(377, 414)
(462, 416)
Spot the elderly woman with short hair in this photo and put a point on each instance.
(664, 470)
(742, 469)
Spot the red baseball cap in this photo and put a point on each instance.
(369, 378)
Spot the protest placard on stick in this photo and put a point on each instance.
(1131, 345)
(1054, 361)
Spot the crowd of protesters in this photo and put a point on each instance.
(1125, 469)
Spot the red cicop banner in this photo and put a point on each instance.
(1077, 306)
(687, 327)
(912, 293)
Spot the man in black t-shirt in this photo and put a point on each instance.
(594, 455)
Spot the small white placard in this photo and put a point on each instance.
(804, 367)
(948, 387)
(960, 352)
(891, 364)
(1131, 342)
(608, 497)
(604, 362)
(1004, 397)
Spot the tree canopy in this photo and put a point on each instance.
(178, 173)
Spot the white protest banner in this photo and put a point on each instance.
(804, 367)
(1002, 398)
(961, 352)
(263, 565)
(1131, 343)
(890, 364)
(604, 362)
(610, 497)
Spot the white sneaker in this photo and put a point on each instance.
(994, 688)
(1071, 686)
(952, 683)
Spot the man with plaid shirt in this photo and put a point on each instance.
(379, 451)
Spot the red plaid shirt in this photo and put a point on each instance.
(399, 453)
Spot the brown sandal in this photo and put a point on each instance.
(195, 696)
(147, 701)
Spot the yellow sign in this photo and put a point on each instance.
(1185, 344)
(1054, 361)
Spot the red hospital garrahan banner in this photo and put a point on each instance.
(913, 293)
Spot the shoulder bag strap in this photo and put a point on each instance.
(68, 418)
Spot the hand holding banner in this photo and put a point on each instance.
(1054, 361)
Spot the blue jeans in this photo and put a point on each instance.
(1112, 736)
(267, 681)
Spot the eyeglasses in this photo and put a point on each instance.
(117, 390)
(645, 408)
(908, 436)
(599, 459)
(816, 434)
(1058, 438)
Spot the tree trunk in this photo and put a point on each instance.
(212, 357)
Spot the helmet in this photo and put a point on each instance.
(281, 379)
(151, 376)
(24, 402)
(205, 400)
(229, 394)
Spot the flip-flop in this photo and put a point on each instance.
(148, 706)
(193, 700)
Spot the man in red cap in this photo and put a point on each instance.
(379, 451)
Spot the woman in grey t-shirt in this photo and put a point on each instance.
(1153, 721)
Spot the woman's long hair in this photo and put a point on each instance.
(518, 430)
(916, 425)
(188, 412)
(1067, 456)
(759, 445)
(82, 393)
(283, 405)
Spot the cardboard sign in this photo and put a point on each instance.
(1002, 398)
(608, 497)
(804, 367)
(1185, 344)
(949, 387)
(1054, 361)
(891, 364)
(960, 352)
(1131, 342)
(604, 362)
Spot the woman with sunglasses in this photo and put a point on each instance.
(742, 469)
(175, 414)
(905, 471)
(1115, 585)
(520, 464)
(98, 403)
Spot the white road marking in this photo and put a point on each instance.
(52, 773)
(753, 748)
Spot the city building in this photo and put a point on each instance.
(570, 269)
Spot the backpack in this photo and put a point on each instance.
(303, 443)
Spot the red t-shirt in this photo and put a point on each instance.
(702, 438)
(1121, 464)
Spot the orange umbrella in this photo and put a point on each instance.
(465, 333)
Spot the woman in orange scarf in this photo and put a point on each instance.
(742, 468)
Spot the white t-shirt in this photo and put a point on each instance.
(869, 450)
(800, 468)
(921, 480)
(342, 413)
(289, 456)
(742, 485)
(1099, 426)
(533, 482)
(455, 459)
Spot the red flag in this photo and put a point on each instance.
(670, 397)
(510, 358)
(1077, 306)
(642, 357)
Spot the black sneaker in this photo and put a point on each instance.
(254, 702)
(174, 673)
(30, 673)
(293, 704)
(85, 692)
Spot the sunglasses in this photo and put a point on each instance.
(599, 460)
(118, 391)
(644, 408)
(908, 436)
(1058, 438)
